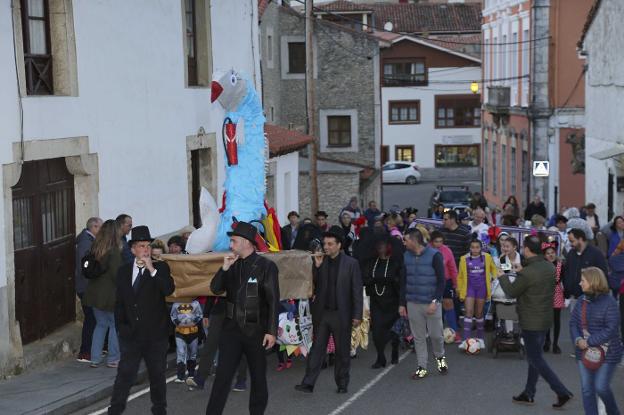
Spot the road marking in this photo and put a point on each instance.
(366, 387)
(133, 396)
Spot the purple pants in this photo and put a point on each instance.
(475, 290)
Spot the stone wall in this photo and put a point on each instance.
(335, 190)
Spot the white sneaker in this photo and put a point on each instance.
(463, 345)
(481, 344)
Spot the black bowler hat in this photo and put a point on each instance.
(321, 213)
(245, 230)
(335, 232)
(140, 233)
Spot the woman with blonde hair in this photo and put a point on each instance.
(594, 327)
(101, 293)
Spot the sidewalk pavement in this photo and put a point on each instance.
(62, 388)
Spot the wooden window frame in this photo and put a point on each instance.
(404, 147)
(290, 58)
(329, 132)
(38, 67)
(457, 99)
(385, 154)
(191, 61)
(403, 82)
(409, 104)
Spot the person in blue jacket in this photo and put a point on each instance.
(600, 329)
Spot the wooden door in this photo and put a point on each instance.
(43, 236)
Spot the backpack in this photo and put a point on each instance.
(91, 267)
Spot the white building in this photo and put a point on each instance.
(105, 108)
(429, 114)
(604, 94)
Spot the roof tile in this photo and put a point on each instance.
(283, 141)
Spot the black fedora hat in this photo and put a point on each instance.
(320, 213)
(140, 233)
(335, 232)
(245, 230)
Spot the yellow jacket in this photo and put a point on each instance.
(462, 278)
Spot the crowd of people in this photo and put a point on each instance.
(427, 278)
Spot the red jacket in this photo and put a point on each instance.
(450, 269)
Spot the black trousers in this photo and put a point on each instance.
(557, 326)
(155, 355)
(88, 325)
(329, 324)
(233, 344)
(382, 320)
(211, 345)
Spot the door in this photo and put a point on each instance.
(43, 236)
(610, 196)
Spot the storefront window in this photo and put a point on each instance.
(457, 156)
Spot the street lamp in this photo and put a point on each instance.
(474, 87)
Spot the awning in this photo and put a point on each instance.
(618, 150)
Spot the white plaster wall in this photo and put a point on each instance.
(286, 194)
(604, 93)
(425, 136)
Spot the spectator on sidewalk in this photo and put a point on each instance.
(158, 249)
(478, 225)
(100, 294)
(512, 202)
(84, 241)
(575, 222)
(352, 209)
(438, 212)
(581, 255)
(289, 232)
(420, 296)
(594, 323)
(450, 287)
(534, 288)
(371, 213)
(124, 221)
(550, 253)
(535, 207)
(175, 244)
(616, 274)
(478, 201)
(142, 322)
(186, 318)
(616, 234)
(321, 220)
(456, 237)
(561, 226)
(591, 217)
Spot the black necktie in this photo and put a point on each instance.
(135, 286)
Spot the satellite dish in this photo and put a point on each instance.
(388, 26)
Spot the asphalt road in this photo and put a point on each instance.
(475, 384)
(418, 195)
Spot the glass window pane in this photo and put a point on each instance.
(441, 113)
(403, 114)
(37, 37)
(388, 69)
(412, 114)
(450, 113)
(394, 114)
(35, 8)
(420, 67)
(450, 122)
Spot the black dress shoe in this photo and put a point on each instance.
(556, 349)
(523, 399)
(561, 401)
(304, 388)
(378, 365)
(341, 389)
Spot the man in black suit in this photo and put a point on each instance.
(337, 306)
(250, 326)
(289, 232)
(142, 323)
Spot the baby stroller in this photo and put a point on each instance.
(506, 337)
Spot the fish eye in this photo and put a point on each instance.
(233, 80)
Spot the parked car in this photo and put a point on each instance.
(452, 197)
(401, 172)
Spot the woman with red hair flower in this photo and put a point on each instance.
(550, 253)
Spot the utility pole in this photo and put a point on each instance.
(310, 108)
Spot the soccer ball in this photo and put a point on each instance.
(472, 346)
(449, 335)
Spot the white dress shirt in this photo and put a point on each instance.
(135, 272)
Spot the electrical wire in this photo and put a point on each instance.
(19, 92)
(416, 35)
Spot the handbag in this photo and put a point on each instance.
(305, 324)
(592, 357)
(91, 267)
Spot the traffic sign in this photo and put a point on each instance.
(541, 168)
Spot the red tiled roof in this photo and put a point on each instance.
(343, 6)
(458, 43)
(417, 17)
(590, 19)
(283, 141)
(262, 5)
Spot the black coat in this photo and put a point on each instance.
(287, 240)
(256, 303)
(349, 290)
(591, 257)
(143, 316)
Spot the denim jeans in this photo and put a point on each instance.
(104, 321)
(534, 343)
(186, 351)
(598, 383)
